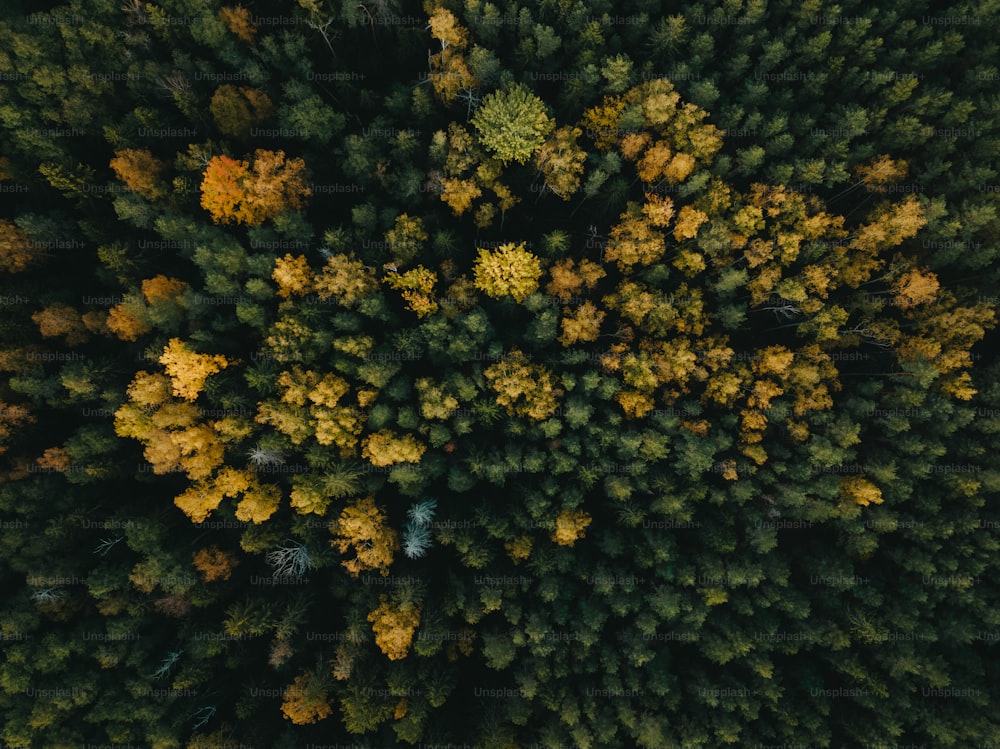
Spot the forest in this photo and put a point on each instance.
(501, 374)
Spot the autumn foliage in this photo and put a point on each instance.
(141, 172)
(240, 192)
(363, 528)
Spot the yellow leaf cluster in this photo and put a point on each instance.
(188, 369)
(861, 491)
(417, 287)
(509, 270)
(394, 627)
(633, 240)
(568, 279)
(305, 701)
(570, 527)
(293, 275)
(581, 324)
(524, 389)
(363, 527)
(385, 448)
(140, 171)
(345, 279)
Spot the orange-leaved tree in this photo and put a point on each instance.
(239, 192)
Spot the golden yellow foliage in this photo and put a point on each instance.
(583, 324)
(127, 321)
(141, 172)
(524, 389)
(16, 253)
(198, 501)
(459, 194)
(293, 275)
(394, 627)
(508, 270)
(568, 280)
(689, 220)
(345, 279)
(446, 28)
(570, 527)
(236, 192)
(915, 287)
(634, 403)
(633, 240)
(654, 162)
(519, 549)
(305, 701)
(363, 527)
(259, 502)
(560, 160)
(162, 287)
(632, 144)
(188, 369)
(658, 210)
(601, 122)
(860, 491)
(384, 448)
(417, 286)
(880, 171)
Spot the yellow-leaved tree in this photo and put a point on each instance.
(363, 527)
(509, 270)
(188, 369)
(394, 627)
(306, 700)
(570, 527)
(523, 388)
(384, 448)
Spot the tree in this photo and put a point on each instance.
(861, 491)
(384, 448)
(633, 240)
(306, 700)
(570, 527)
(345, 279)
(417, 286)
(293, 275)
(450, 73)
(458, 194)
(214, 564)
(568, 280)
(406, 237)
(583, 324)
(915, 287)
(508, 270)
(128, 320)
(61, 320)
(236, 192)
(524, 389)
(394, 627)
(560, 160)
(238, 20)
(512, 123)
(237, 110)
(362, 527)
(141, 172)
(16, 253)
(188, 369)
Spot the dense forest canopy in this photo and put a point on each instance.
(552, 374)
